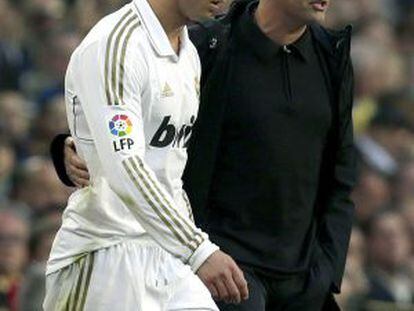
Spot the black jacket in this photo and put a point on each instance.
(335, 209)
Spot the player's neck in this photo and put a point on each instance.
(171, 20)
(277, 25)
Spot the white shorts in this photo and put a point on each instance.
(129, 276)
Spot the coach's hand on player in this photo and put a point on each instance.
(224, 278)
(75, 167)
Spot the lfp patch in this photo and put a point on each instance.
(120, 125)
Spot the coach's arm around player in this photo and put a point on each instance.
(219, 272)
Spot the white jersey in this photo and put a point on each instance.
(131, 104)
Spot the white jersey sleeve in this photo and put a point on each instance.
(110, 94)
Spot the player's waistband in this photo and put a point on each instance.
(59, 261)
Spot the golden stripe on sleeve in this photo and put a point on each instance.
(153, 206)
(108, 48)
(115, 57)
(122, 62)
(157, 198)
(192, 234)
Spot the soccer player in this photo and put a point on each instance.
(128, 241)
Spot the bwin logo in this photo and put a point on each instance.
(168, 134)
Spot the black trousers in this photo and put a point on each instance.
(307, 292)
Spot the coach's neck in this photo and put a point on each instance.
(276, 24)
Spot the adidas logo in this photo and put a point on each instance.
(167, 91)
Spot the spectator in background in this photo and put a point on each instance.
(12, 53)
(379, 30)
(368, 53)
(88, 13)
(46, 79)
(372, 193)
(14, 235)
(387, 140)
(407, 213)
(33, 289)
(392, 130)
(405, 32)
(357, 11)
(7, 167)
(15, 116)
(50, 120)
(404, 184)
(37, 187)
(385, 143)
(389, 254)
(43, 17)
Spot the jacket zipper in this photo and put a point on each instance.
(286, 75)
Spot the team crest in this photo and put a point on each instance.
(120, 125)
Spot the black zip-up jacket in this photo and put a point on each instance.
(335, 209)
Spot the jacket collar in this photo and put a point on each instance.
(265, 48)
(335, 43)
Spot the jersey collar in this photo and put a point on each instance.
(156, 32)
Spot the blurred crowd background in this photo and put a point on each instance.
(36, 41)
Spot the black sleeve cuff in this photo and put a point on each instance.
(56, 153)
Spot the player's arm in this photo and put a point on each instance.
(70, 168)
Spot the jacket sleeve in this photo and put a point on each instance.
(110, 95)
(57, 154)
(337, 218)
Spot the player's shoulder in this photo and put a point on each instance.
(114, 31)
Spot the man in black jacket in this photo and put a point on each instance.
(271, 161)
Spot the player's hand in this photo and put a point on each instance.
(75, 167)
(223, 278)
